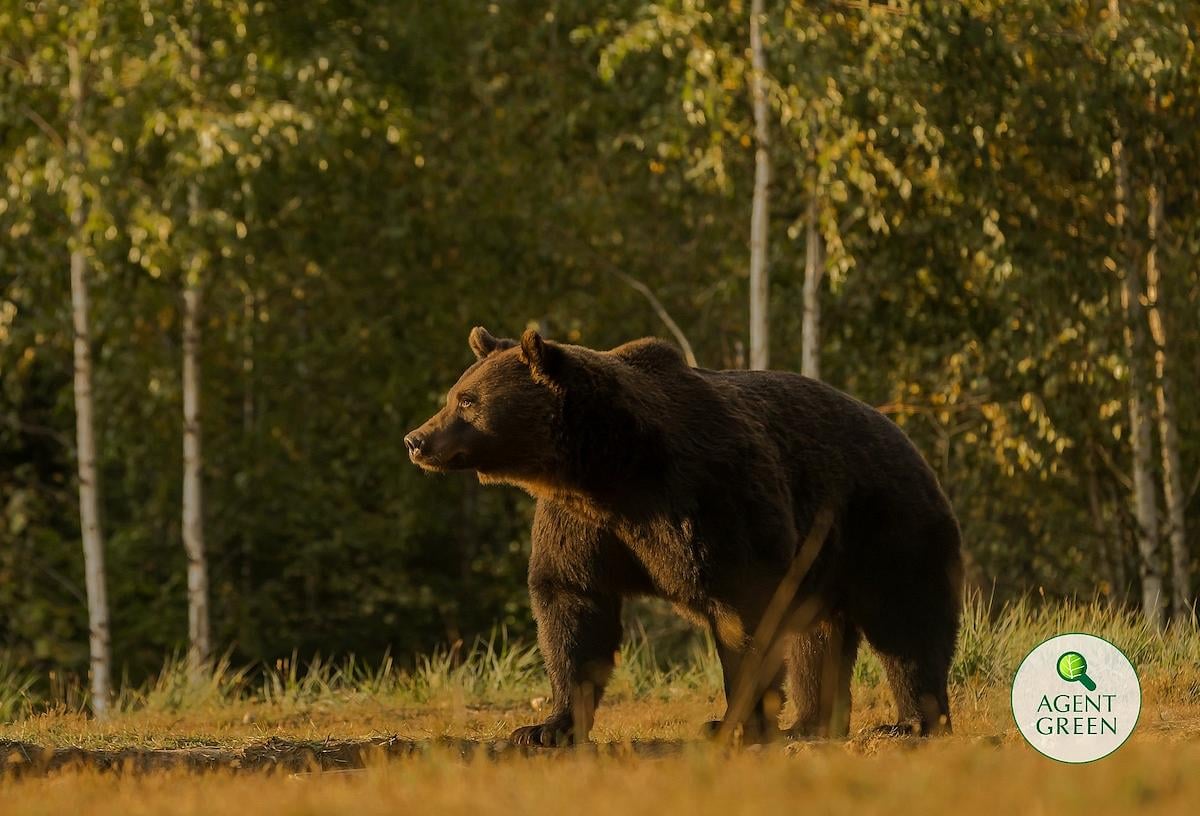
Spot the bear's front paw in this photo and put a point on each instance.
(554, 732)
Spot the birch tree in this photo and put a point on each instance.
(760, 320)
(1138, 355)
(199, 625)
(1145, 499)
(85, 433)
(199, 639)
(1174, 494)
(55, 60)
(814, 271)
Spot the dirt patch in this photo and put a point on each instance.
(288, 756)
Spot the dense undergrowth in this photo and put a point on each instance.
(499, 670)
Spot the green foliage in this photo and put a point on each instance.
(16, 683)
(356, 184)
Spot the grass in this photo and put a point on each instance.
(940, 778)
(16, 691)
(482, 692)
(496, 671)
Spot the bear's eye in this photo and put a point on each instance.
(466, 401)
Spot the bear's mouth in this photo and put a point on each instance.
(435, 464)
(428, 463)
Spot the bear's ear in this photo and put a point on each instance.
(483, 343)
(542, 358)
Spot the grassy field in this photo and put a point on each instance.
(430, 739)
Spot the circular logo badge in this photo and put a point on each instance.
(1076, 698)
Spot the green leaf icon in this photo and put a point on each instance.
(1073, 668)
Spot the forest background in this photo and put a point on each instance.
(979, 216)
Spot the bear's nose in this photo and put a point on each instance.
(414, 443)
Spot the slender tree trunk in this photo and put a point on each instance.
(199, 643)
(250, 467)
(85, 436)
(199, 638)
(814, 271)
(1174, 494)
(1150, 564)
(759, 273)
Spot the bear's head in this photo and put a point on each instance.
(500, 417)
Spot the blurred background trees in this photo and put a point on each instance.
(983, 219)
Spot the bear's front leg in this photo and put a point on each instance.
(579, 632)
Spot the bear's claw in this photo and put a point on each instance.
(550, 734)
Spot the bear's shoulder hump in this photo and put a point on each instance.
(650, 353)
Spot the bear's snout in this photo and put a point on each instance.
(435, 447)
(415, 444)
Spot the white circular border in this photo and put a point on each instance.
(1108, 662)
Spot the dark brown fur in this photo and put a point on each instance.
(697, 486)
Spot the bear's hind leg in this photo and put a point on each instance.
(819, 665)
(914, 636)
(907, 600)
(922, 698)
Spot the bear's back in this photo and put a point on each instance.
(823, 430)
(814, 427)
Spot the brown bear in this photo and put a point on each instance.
(653, 478)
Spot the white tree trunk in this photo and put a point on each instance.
(199, 639)
(199, 643)
(1145, 501)
(1150, 563)
(1174, 496)
(814, 271)
(759, 273)
(85, 437)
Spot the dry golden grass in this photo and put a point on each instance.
(652, 761)
(952, 775)
(980, 710)
(984, 768)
